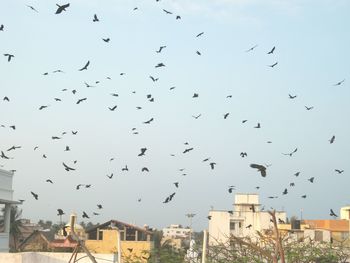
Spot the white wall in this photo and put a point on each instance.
(6, 191)
(49, 257)
(219, 227)
(4, 242)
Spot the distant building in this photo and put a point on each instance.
(176, 231)
(135, 242)
(6, 200)
(243, 220)
(38, 241)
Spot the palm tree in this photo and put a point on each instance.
(15, 226)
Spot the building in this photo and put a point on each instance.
(6, 200)
(176, 231)
(243, 221)
(37, 241)
(113, 236)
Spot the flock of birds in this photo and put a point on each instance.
(70, 167)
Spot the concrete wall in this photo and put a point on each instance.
(219, 227)
(48, 257)
(4, 242)
(6, 191)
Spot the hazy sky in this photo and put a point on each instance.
(311, 40)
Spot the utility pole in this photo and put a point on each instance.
(190, 216)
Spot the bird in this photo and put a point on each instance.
(290, 154)
(167, 12)
(251, 49)
(176, 184)
(36, 196)
(13, 127)
(309, 108)
(209, 217)
(285, 191)
(78, 186)
(32, 7)
(14, 148)
(200, 34)
(67, 149)
(226, 115)
(280, 221)
(1, 27)
(339, 171)
(110, 176)
(178, 17)
(187, 150)
(160, 49)
(43, 107)
(311, 179)
(106, 39)
(258, 126)
(292, 184)
(244, 121)
(297, 174)
(87, 185)
(125, 168)
(3, 156)
(55, 138)
(86, 66)
(81, 100)
(159, 65)
(332, 139)
(243, 154)
(261, 168)
(195, 95)
(332, 213)
(149, 121)
(130, 249)
(60, 212)
(6, 98)
(9, 56)
(95, 214)
(249, 226)
(339, 83)
(144, 169)
(303, 196)
(112, 108)
(212, 165)
(95, 19)
(143, 150)
(196, 117)
(49, 181)
(67, 168)
(198, 53)
(99, 206)
(74, 132)
(153, 79)
(292, 97)
(271, 51)
(61, 8)
(231, 188)
(85, 215)
(274, 64)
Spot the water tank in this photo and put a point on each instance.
(295, 224)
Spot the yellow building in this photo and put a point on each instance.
(135, 242)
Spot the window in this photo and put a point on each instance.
(232, 225)
(100, 237)
(130, 234)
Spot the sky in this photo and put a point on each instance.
(231, 75)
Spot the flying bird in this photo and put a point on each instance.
(85, 215)
(95, 19)
(112, 108)
(106, 39)
(86, 66)
(292, 97)
(49, 181)
(167, 12)
(258, 126)
(144, 169)
(43, 107)
(67, 168)
(231, 188)
(285, 191)
(99, 206)
(212, 165)
(198, 53)
(226, 115)
(274, 64)
(195, 95)
(251, 49)
(143, 150)
(196, 117)
(32, 7)
(311, 179)
(160, 49)
(110, 176)
(309, 108)
(200, 34)
(60, 212)
(6, 98)
(9, 56)
(261, 169)
(339, 83)
(36, 196)
(272, 50)
(176, 184)
(339, 171)
(149, 121)
(332, 139)
(61, 8)
(332, 213)
(1, 27)
(125, 168)
(290, 154)
(187, 150)
(154, 79)
(81, 100)
(3, 156)
(243, 154)
(159, 65)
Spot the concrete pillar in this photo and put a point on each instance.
(7, 218)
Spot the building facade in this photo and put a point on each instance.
(243, 221)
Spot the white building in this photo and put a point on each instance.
(244, 220)
(176, 231)
(6, 200)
